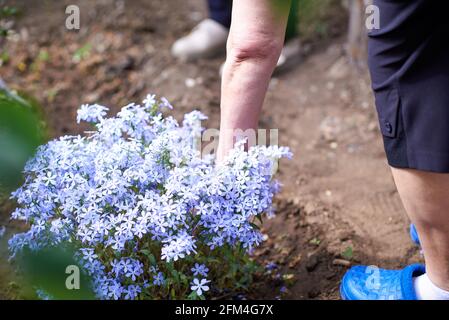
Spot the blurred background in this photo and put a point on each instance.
(338, 191)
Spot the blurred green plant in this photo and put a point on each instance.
(43, 56)
(4, 57)
(348, 254)
(6, 12)
(22, 130)
(52, 271)
(82, 53)
(316, 17)
(282, 4)
(39, 62)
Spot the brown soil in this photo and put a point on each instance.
(338, 193)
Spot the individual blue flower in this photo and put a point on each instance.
(165, 104)
(131, 292)
(115, 290)
(91, 113)
(149, 101)
(89, 254)
(271, 266)
(43, 295)
(133, 268)
(200, 269)
(199, 286)
(159, 280)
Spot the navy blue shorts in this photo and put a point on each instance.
(409, 66)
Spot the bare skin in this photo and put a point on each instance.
(425, 196)
(254, 45)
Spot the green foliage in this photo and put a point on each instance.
(21, 132)
(43, 55)
(311, 18)
(230, 267)
(315, 17)
(4, 57)
(46, 270)
(348, 254)
(7, 11)
(282, 5)
(82, 53)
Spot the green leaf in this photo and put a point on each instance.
(348, 254)
(43, 56)
(255, 226)
(150, 256)
(175, 275)
(82, 53)
(184, 279)
(192, 296)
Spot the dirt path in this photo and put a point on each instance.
(339, 200)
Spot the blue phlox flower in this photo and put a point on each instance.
(199, 286)
(91, 113)
(158, 279)
(200, 269)
(136, 184)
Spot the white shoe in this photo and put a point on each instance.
(206, 40)
(290, 54)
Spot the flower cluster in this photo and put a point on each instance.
(149, 216)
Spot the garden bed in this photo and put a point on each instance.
(338, 203)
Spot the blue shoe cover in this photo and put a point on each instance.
(414, 234)
(372, 283)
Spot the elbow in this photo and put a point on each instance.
(263, 53)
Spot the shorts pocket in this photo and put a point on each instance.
(387, 105)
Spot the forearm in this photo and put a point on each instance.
(254, 44)
(243, 90)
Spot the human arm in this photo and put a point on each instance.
(254, 45)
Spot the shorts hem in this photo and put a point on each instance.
(429, 162)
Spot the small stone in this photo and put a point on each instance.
(312, 263)
(190, 83)
(330, 85)
(295, 261)
(341, 262)
(309, 208)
